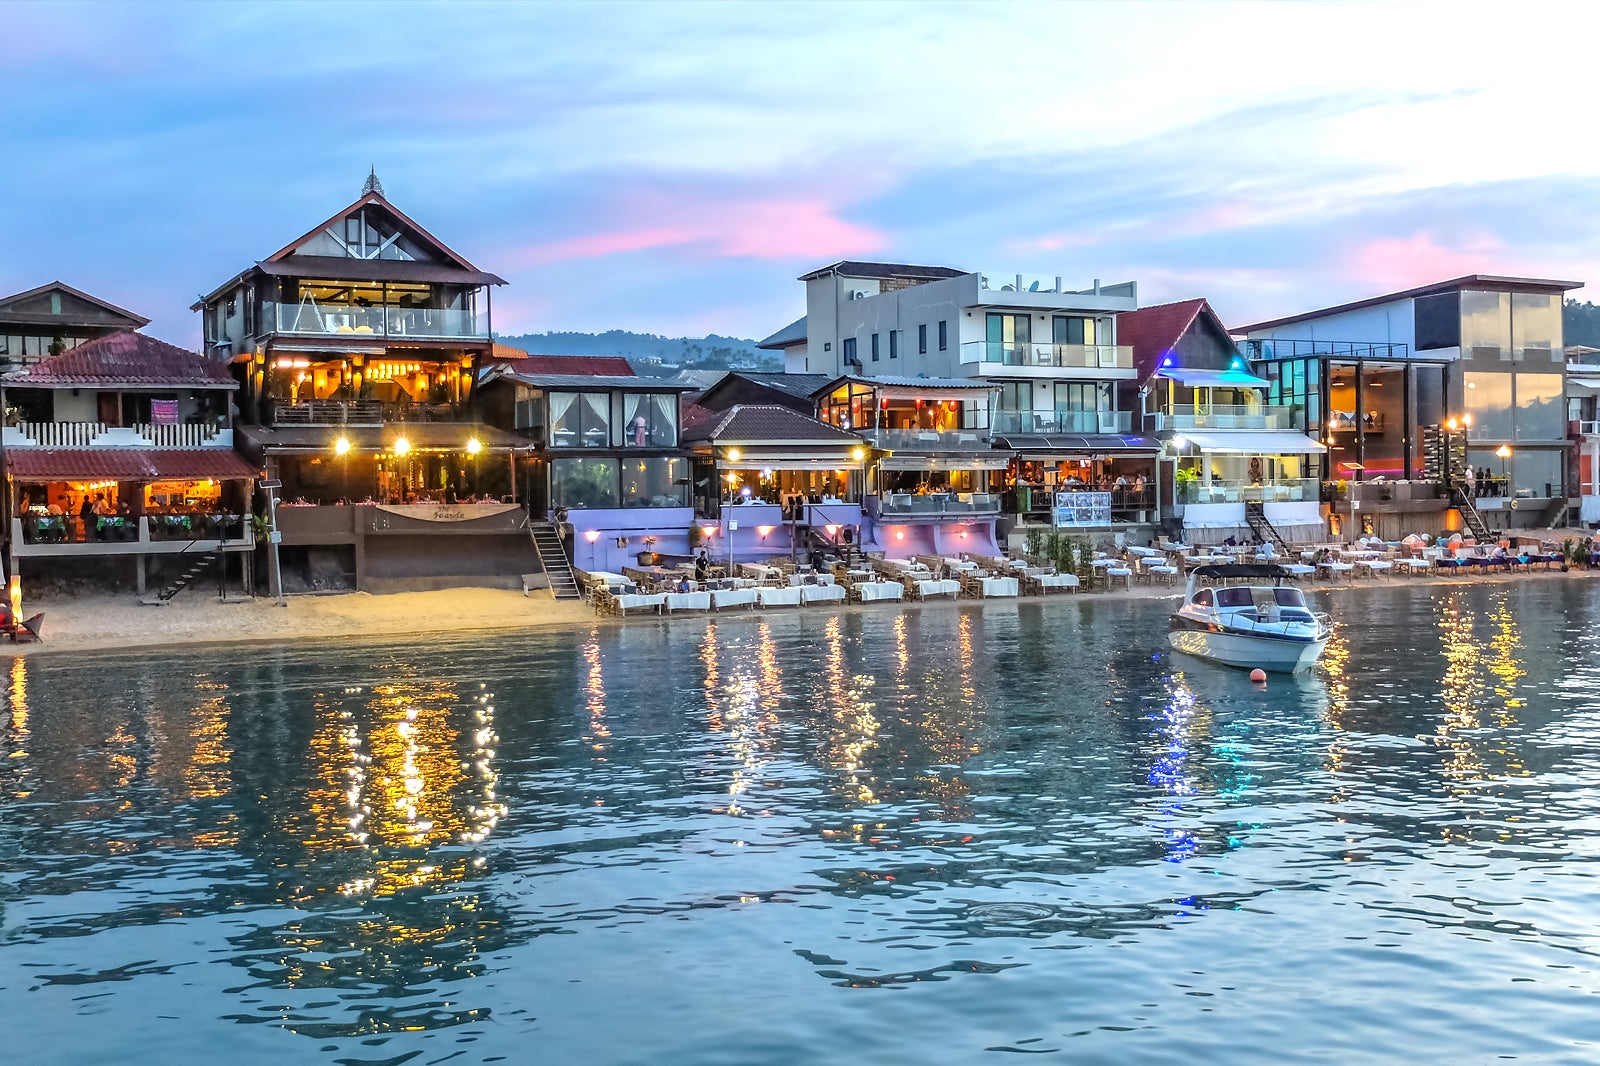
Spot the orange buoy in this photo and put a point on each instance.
(1259, 676)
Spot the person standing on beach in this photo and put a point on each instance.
(1472, 483)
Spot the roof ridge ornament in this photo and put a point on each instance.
(373, 185)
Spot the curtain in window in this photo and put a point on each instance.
(665, 423)
(596, 419)
(563, 424)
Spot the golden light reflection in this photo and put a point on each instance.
(594, 688)
(748, 712)
(855, 726)
(1335, 664)
(19, 708)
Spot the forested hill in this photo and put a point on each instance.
(710, 352)
(1580, 324)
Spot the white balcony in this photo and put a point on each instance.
(100, 435)
(1106, 359)
(1223, 416)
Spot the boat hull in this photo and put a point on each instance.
(1246, 651)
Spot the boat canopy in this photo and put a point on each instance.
(1240, 571)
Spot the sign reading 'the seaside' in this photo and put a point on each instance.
(448, 512)
(1082, 509)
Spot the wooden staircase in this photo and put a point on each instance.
(554, 562)
(1255, 515)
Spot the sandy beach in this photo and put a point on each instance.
(106, 623)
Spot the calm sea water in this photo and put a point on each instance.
(936, 836)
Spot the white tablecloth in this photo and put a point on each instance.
(785, 597)
(733, 598)
(880, 590)
(999, 586)
(688, 601)
(1058, 581)
(938, 588)
(821, 594)
(635, 602)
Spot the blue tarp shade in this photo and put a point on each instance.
(1202, 379)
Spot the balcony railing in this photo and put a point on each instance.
(1224, 416)
(930, 440)
(1097, 356)
(1063, 421)
(1239, 492)
(101, 435)
(1589, 429)
(352, 319)
(112, 530)
(359, 413)
(905, 505)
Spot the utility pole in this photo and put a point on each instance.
(274, 538)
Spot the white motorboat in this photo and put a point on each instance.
(1244, 615)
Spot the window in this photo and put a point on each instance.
(583, 483)
(650, 420)
(1488, 400)
(943, 335)
(850, 351)
(827, 346)
(894, 344)
(1486, 326)
(233, 306)
(657, 481)
(922, 339)
(874, 347)
(1008, 336)
(1072, 329)
(1536, 327)
(1539, 403)
(580, 420)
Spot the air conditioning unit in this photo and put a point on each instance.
(859, 294)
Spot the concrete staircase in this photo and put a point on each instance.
(1255, 516)
(195, 566)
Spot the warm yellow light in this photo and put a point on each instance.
(473, 446)
(733, 455)
(401, 446)
(341, 446)
(1450, 425)
(1504, 451)
(858, 454)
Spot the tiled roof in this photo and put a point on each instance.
(1151, 331)
(900, 382)
(692, 418)
(630, 382)
(523, 363)
(1491, 282)
(768, 423)
(127, 464)
(852, 268)
(131, 359)
(801, 385)
(422, 436)
(134, 321)
(793, 333)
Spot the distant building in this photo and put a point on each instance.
(56, 318)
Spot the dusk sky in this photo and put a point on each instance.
(671, 168)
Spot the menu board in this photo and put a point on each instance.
(1079, 510)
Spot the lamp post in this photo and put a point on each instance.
(1504, 452)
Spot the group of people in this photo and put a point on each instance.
(88, 511)
(1479, 482)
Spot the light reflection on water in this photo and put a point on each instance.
(712, 843)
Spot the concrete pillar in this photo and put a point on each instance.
(138, 574)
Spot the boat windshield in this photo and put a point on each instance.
(1233, 598)
(1289, 597)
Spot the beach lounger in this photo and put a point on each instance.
(822, 594)
(721, 599)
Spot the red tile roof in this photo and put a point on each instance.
(131, 359)
(127, 464)
(583, 365)
(1152, 331)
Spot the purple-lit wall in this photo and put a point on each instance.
(669, 525)
(903, 540)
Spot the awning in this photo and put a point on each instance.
(755, 462)
(1057, 445)
(985, 461)
(1268, 443)
(1202, 379)
(126, 464)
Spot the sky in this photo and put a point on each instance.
(673, 167)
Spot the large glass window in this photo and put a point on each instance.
(1539, 407)
(1488, 400)
(1485, 325)
(1006, 334)
(1536, 472)
(1071, 329)
(655, 482)
(1536, 326)
(583, 483)
(650, 420)
(580, 419)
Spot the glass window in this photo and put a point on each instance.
(1539, 407)
(1007, 334)
(584, 483)
(1536, 326)
(1536, 472)
(656, 481)
(1071, 329)
(651, 420)
(943, 335)
(580, 419)
(849, 349)
(1485, 325)
(894, 344)
(922, 340)
(1488, 400)
(874, 347)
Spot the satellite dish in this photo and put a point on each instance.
(1034, 287)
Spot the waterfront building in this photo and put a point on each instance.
(55, 318)
(793, 391)
(1472, 368)
(604, 460)
(1233, 462)
(356, 347)
(121, 449)
(771, 481)
(1583, 427)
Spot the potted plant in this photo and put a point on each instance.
(648, 557)
(1185, 479)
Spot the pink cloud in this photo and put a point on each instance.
(761, 229)
(1404, 262)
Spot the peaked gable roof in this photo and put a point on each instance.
(378, 199)
(10, 303)
(1155, 330)
(128, 358)
(767, 424)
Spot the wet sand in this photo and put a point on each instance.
(103, 623)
